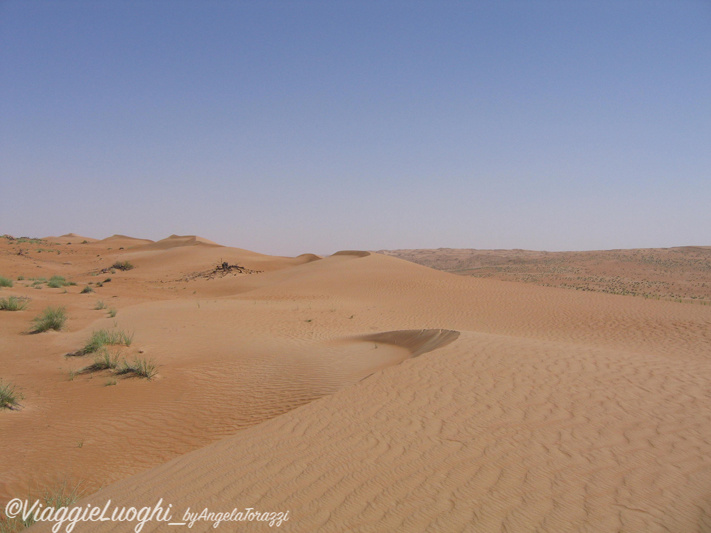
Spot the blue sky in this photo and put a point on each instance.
(288, 127)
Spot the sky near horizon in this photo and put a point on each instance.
(287, 127)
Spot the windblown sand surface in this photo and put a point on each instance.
(358, 391)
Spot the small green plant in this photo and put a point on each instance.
(5, 282)
(55, 282)
(51, 318)
(122, 265)
(13, 303)
(141, 367)
(110, 382)
(87, 290)
(57, 497)
(9, 397)
(104, 337)
(20, 278)
(103, 361)
(100, 305)
(62, 495)
(112, 312)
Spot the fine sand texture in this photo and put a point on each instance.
(359, 392)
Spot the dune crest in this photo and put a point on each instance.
(125, 240)
(70, 238)
(175, 241)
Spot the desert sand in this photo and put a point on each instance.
(681, 274)
(358, 391)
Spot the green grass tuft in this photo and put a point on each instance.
(9, 397)
(104, 337)
(5, 282)
(122, 265)
(57, 497)
(87, 290)
(141, 367)
(55, 282)
(13, 303)
(103, 361)
(51, 318)
(100, 305)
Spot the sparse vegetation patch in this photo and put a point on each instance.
(51, 318)
(9, 397)
(140, 367)
(56, 282)
(122, 265)
(104, 361)
(220, 271)
(104, 337)
(13, 303)
(57, 497)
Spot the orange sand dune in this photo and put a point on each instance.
(70, 238)
(179, 240)
(125, 241)
(360, 392)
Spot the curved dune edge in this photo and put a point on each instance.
(308, 258)
(416, 341)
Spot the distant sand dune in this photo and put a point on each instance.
(179, 240)
(123, 240)
(70, 238)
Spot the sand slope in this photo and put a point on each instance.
(574, 440)
(365, 393)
